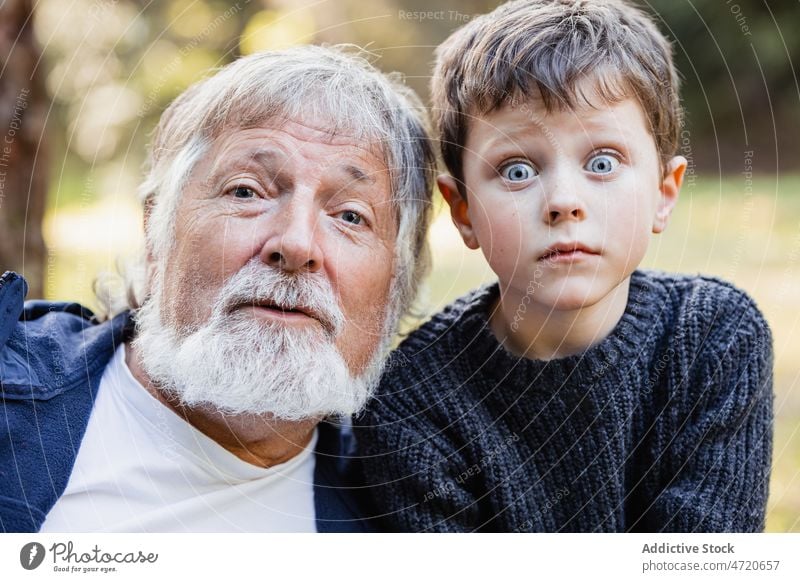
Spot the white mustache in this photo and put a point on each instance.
(239, 366)
(256, 283)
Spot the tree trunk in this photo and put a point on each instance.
(23, 163)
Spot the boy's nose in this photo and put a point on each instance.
(563, 204)
(569, 212)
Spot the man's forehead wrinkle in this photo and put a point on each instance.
(275, 145)
(330, 131)
(234, 154)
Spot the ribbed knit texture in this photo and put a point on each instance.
(665, 425)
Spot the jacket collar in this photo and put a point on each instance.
(13, 289)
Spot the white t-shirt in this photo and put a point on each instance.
(143, 468)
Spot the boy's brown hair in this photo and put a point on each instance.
(545, 48)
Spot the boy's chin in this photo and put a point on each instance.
(578, 294)
(572, 302)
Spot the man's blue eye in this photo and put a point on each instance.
(602, 164)
(518, 172)
(243, 192)
(351, 217)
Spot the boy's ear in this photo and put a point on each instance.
(458, 209)
(669, 189)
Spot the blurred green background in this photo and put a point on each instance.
(110, 68)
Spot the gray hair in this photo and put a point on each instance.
(334, 85)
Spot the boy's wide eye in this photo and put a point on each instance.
(602, 164)
(518, 172)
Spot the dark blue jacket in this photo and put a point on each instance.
(52, 356)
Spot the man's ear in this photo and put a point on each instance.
(669, 190)
(458, 209)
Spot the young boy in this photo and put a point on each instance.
(576, 393)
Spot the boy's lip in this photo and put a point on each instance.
(567, 250)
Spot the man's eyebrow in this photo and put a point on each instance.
(265, 157)
(359, 175)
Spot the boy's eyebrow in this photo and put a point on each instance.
(516, 138)
(598, 127)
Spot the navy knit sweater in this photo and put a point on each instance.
(665, 425)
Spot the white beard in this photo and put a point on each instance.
(242, 365)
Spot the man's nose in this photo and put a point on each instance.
(293, 243)
(563, 202)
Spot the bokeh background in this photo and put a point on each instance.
(82, 83)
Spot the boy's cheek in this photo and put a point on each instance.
(501, 235)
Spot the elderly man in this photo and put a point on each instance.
(286, 205)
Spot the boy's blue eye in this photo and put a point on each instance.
(602, 164)
(518, 172)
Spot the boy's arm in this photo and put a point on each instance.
(719, 442)
(413, 484)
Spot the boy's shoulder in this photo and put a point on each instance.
(698, 298)
(708, 325)
(718, 348)
(685, 282)
(464, 315)
(437, 355)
